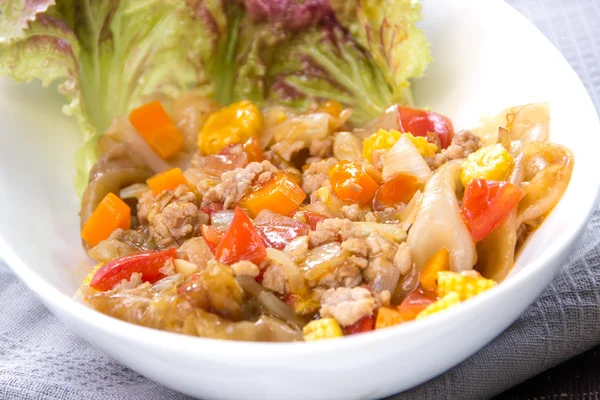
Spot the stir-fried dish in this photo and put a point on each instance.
(288, 225)
(257, 170)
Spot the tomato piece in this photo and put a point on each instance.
(252, 149)
(413, 304)
(212, 236)
(400, 189)
(365, 324)
(278, 230)
(486, 204)
(420, 122)
(241, 241)
(352, 183)
(148, 263)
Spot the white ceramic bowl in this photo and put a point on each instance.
(487, 56)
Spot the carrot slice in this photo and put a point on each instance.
(158, 129)
(167, 180)
(111, 213)
(439, 261)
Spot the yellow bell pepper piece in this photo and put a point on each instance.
(449, 300)
(324, 328)
(466, 286)
(385, 140)
(232, 124)
(490, 162)
(387, 317)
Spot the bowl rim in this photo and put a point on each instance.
(244, 350)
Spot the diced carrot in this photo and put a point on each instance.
(352, 183)
(252, 149)
(439, 261)
(400, 189)
(387, 317)
(333, 108)
(167, 180)
(157, 128)
(279, 195)
(110, 214)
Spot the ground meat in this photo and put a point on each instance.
(403, 259)
(145, 202)
(347, 305)
(346, 275)
(235, 184)
(275, 280)
(297, 249)
(134, 281)
(353, 212)
(174, 217)
(332, 230)
(463, 144)
(436, 161)
(381, 253)
(245, 268)
(356, 246)
(383, 298)
(321, 148)
(316, 174)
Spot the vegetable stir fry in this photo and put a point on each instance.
(291, 225)
(257, 170)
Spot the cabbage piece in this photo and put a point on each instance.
(440, 224)
(496, 252)
(547, 186)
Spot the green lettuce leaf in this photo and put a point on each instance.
(107, 56)
(326, 63)
(386, 28)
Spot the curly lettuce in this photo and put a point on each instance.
(109, 56)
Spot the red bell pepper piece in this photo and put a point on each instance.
(241, 241)
(148, 263)
(212, 236)
(365, 324)
(413, 304)
(486, 204)
(420, 122)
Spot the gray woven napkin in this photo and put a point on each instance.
(40, 358)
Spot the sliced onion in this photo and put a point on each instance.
(270, 301)
(333, 203)
(123, 130)
(322, 259)
(386, 279)
(388, 231)
(440, 224)
(319, 207)
(306, 127)
(290, 269)
(404, 158)
(388, 120)
(195, 250)
(221, 219)
(134, 191)
(216, 164)
(347, 146)
(530, 123)
(272, 117)
(409, 213)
